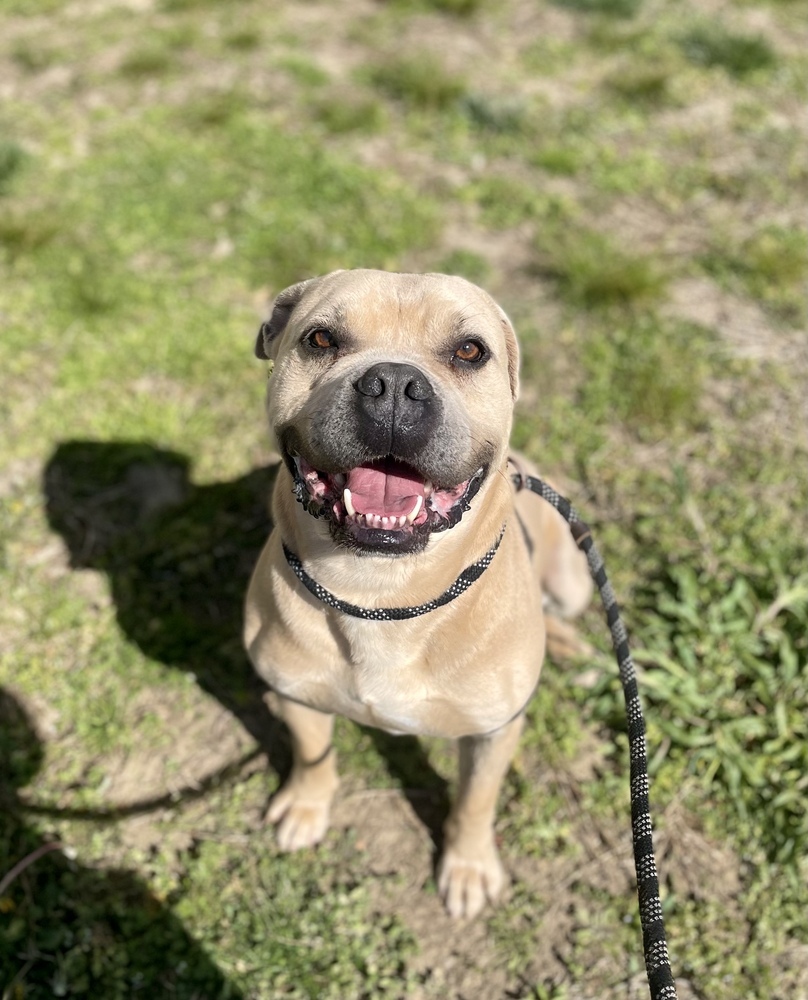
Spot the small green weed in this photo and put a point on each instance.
(591, 271)
(458, 8)
(350, 114)
(215, 110)
(557, 159)
(649, 374)
(775, 256)
(421, 82)
(606, 8)
(243, 39)
(644, 83)
(179, 6)
(31, 57)
(711, 44)
(729, 684)
(467, 264)
(12, 157)
(22, 232)
(303, 70)
(501, 115)
(772, 265)
(148, 61)
(506, 202)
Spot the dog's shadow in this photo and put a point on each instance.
(179, 557)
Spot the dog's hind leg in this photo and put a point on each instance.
(301, 808)
(470, 871)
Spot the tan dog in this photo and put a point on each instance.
(391, 403)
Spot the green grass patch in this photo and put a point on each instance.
(728, 656)
(605, 8)
(771, 265)
(458, 8)
(350, 113)
(506, 115)
(150, 60)
(591, 271)
(419, 81)
(12, 158)
(557, 159)
(712, 44)
(304, 70)
(31, 57)
(467, 264)
(243, 39)
(649, 374)
(506, 201)
(643, 83)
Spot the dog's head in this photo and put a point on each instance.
(391, 401)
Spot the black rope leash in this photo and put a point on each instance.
(655, 947)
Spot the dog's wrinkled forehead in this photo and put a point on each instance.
(398, 311)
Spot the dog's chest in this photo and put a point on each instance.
(389, 682)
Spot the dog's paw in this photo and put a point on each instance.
(466, 884)
(300, 822)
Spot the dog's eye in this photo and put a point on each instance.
(321, 339)
(470, 352)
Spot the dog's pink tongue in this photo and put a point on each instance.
(385, 488)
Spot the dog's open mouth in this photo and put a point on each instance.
(382, 503)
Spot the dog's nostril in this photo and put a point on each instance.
(370, 384)
(418, 389)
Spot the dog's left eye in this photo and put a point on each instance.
(321, 339)
(470, 352)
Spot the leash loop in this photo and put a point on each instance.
(655, 947)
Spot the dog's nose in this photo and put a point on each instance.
(395, 380)
(397, 408)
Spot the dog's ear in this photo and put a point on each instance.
(282, 309)
(512, 348)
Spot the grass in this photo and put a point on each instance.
(419, 81)
(606, 8)
(627, 182)
(771, 265)
(591, 271)
(711, 44)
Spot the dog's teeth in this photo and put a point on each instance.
(402, 520)
(415, 510)
(375, 519)
(428, 488)
(385, 522)
(346, 499)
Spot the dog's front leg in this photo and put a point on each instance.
(470, 870)
(302, 806)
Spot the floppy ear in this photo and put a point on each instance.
(282, 309)
(512, 347)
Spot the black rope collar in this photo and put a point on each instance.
(460, 586)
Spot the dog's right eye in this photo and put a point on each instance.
(321, 340)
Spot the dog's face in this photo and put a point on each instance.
(391, 401)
